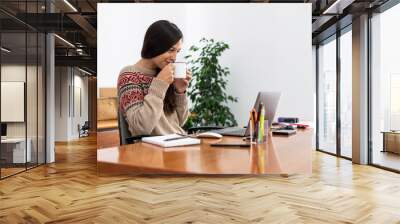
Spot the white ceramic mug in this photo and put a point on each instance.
(180, 70)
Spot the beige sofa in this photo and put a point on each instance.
(107, 109)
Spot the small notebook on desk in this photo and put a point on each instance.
(161, 140)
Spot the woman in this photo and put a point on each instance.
(152, 102)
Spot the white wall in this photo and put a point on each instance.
(80, 83)
(61, 103)
(120, 33)
(66, 121)
(269, 50)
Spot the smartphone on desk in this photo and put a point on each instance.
(284, 132)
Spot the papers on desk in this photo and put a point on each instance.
(161, 140)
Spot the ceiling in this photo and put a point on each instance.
(76, 22)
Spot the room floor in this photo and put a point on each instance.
(70, 191)
(387, 159)
(8, 171)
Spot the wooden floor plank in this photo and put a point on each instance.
(70, 191)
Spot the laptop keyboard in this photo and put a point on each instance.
(232, 131)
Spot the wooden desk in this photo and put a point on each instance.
(280, 155)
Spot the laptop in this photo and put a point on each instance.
(270, 101)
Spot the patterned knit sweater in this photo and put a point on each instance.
(141, 101)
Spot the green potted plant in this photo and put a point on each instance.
(207, 89)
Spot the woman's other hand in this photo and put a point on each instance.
(182, 84)
(167, 73)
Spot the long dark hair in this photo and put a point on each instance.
(159, 38)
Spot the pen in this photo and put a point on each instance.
(261, 125)
(175, 138)
(255, 134)
(229, 145)
(254, 123)
(182, 136)
(254, 115)
(262, 118)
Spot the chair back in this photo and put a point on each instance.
(86, 126)
(123, 127)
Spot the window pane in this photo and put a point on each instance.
(386, 88)
(346, 93)
(31, 97)
(14, 153)
(41, 99)
(327, 97)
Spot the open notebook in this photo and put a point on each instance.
(160, 140)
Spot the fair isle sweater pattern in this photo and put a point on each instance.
(132, 88)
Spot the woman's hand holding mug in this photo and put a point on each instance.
(167, 73)
(182, 84)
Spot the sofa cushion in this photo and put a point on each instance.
(107, 109)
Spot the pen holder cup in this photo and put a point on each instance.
(260, 138)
